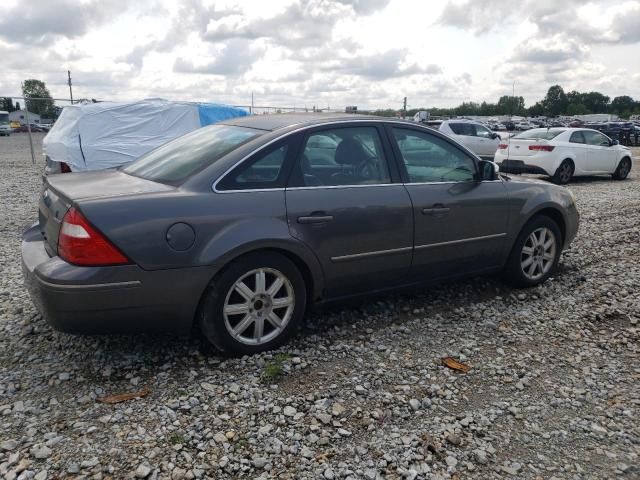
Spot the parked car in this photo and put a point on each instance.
(563, 153)
(5, 130)
(509, 126)
(35, 128)
(475, 136)
(524, 125)
(241, 226)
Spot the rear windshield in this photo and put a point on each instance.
(174, 162)
(540, 133)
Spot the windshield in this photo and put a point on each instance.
(4, 117)
(177, 160)
(540, 134)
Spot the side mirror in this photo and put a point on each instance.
(495, 135)
(488, 170)
(614, 142)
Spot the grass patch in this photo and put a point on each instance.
(177, 439)
(273, 369)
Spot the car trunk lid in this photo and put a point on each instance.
(519, 147)
(60, 192)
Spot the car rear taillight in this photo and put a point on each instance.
(64, 168)
(541, 148)
(503, 146)
(82, 244)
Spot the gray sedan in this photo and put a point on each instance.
(241, 226)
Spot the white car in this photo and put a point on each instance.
(473, 135)
(524, 125)
(563, 153)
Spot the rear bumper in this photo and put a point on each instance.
(119, 299)
(519, 166)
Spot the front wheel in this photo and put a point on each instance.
(535, 254)
(624, 167)
(255, 304)
(564, 173)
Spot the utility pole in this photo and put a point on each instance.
(26, 113)
(70, 90)
(404, 108)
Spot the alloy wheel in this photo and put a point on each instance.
(625, 167)
(258, 306)
(565, 172)
(538, 253)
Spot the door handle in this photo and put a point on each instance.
(436, 210)
(315, 219)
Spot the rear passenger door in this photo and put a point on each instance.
(345, 201)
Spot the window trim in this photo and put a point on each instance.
(400, 162)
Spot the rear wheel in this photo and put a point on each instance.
(624, 167)
(564, 173)
(535, 254)
(254, 305)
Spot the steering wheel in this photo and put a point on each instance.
(367, 169)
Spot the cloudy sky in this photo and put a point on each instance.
(369, 53)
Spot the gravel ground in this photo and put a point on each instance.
(553, 392)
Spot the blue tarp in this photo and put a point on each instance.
(212, 113)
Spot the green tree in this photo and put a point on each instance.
(508, 105)
(536, 109)
(33, 88)
(555, 102)
(623, 106)
(595, 102)
(6, 104)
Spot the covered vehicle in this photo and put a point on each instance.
(97, 136)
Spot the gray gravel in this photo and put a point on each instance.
(553, 393)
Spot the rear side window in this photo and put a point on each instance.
(344, 156)
(467, 129)
(176, 161)
(577, 137)
(264, 170)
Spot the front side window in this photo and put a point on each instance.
(176, 161)
(264, 170)
(429, 158)
(596, 138)
(577, 137)
(344, 156)
(483, 132)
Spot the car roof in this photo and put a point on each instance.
(279, 121)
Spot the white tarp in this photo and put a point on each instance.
(95, 136)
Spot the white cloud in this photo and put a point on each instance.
(304, 52)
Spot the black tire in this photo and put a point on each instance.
(513, 271)
(624, 167)
(211, 316)
(564, 173)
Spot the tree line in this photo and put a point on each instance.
(556, 102)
